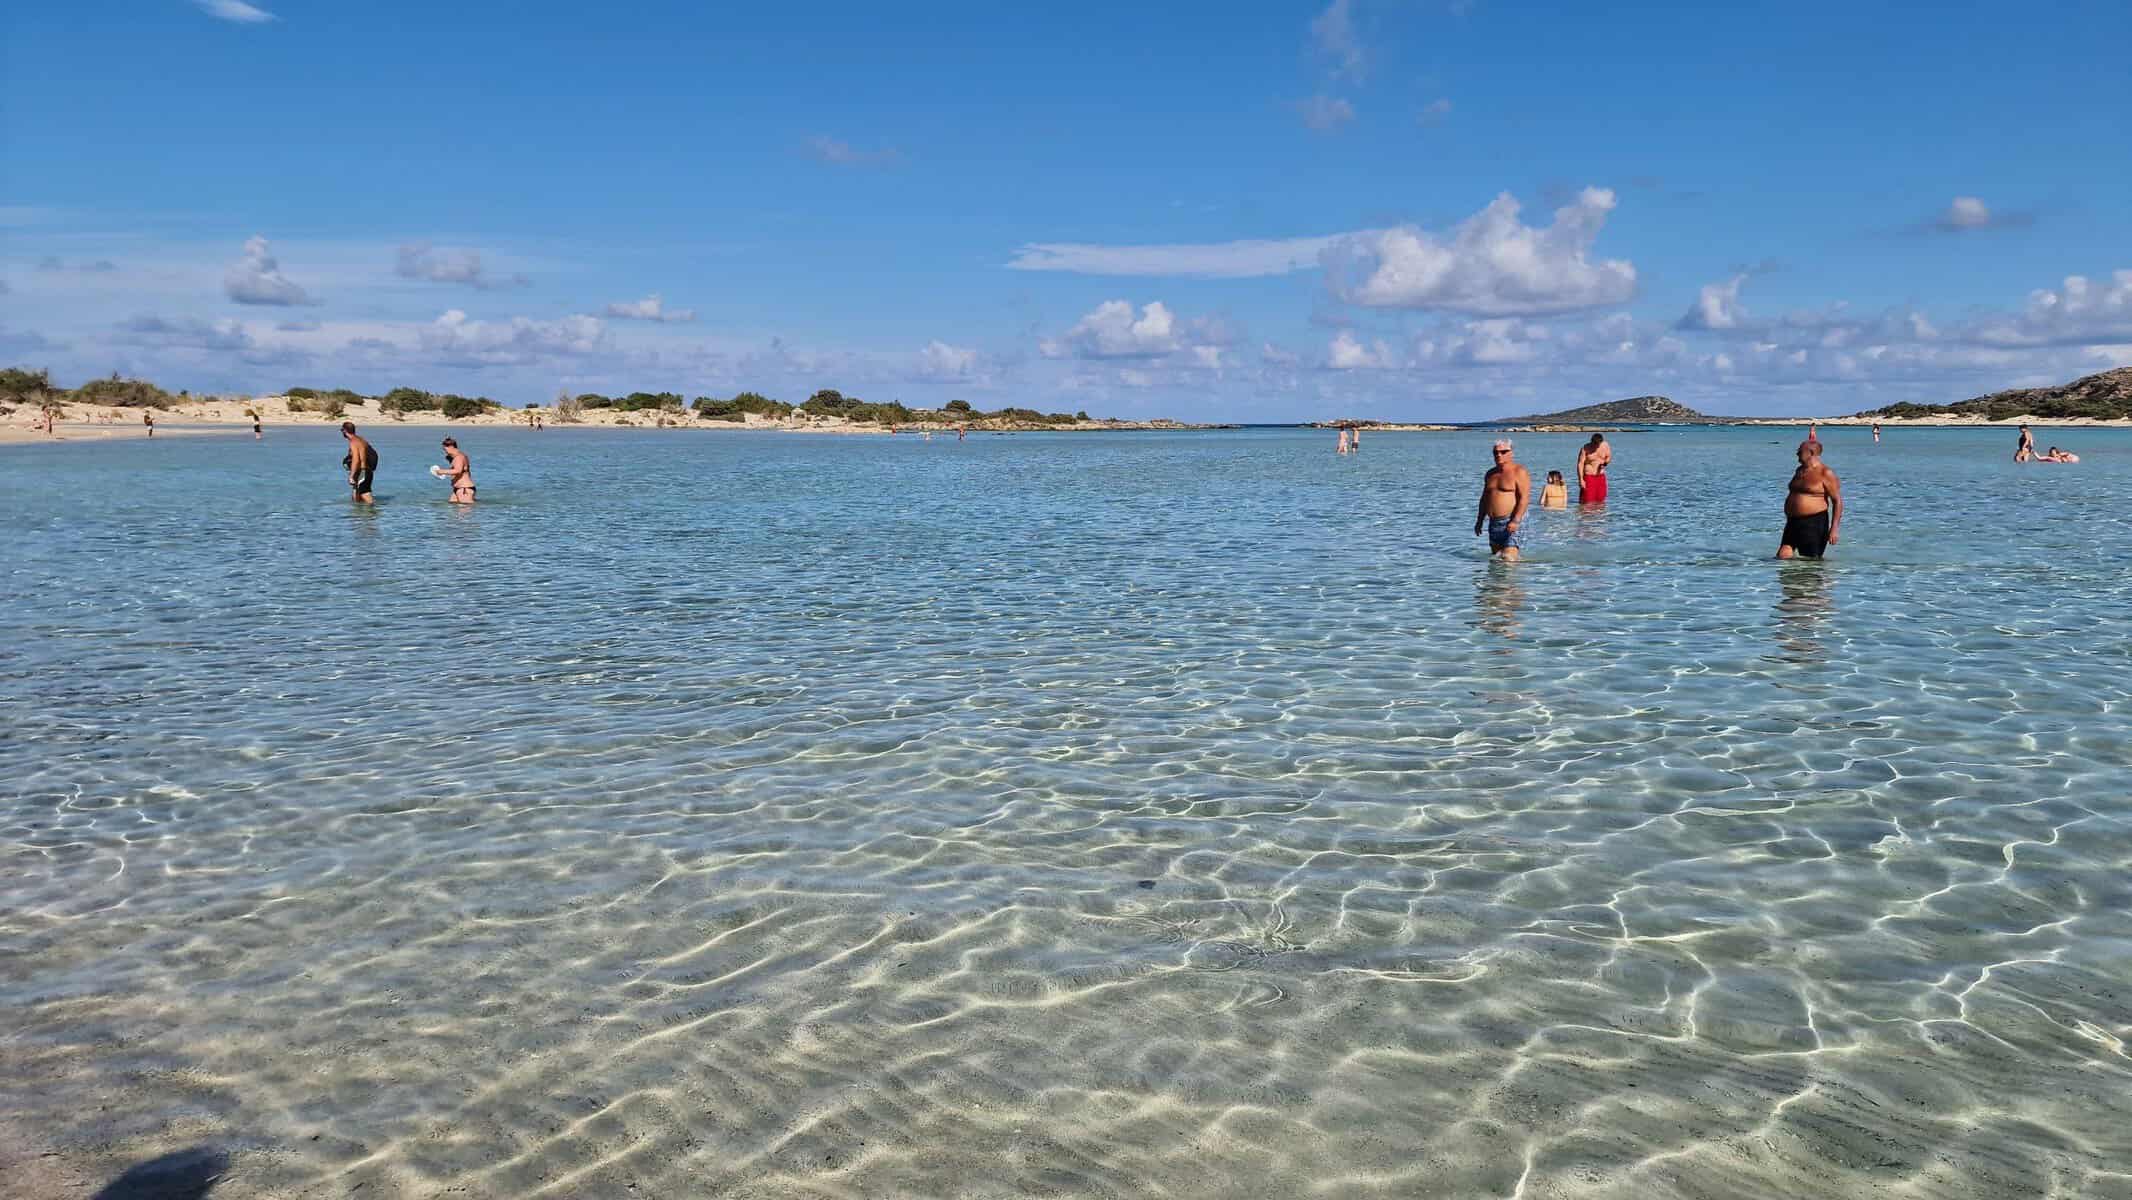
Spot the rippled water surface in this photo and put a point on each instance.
(1069, 815)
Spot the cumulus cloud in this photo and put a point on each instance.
(420, 260)
(844, 154)
(1334, 33)
(1348, 353)
(1325, 114)
(1436, 112)
(650, 308)
(1491, 264)
(1113, 330)
(1208, 260)
(1717, 306)
(946, 364)
(1968, 214)
(458, 339)
(257, 278)
(2079, 311)
(234, 10)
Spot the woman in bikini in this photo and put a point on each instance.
(459, 471)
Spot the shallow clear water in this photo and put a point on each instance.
(1079, 815)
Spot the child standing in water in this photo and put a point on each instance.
(1556, 493)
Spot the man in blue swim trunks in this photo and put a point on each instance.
(1506, 492)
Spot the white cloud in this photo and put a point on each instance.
(1967, 214)
(1210, 260)
(1112, 330)
(1436, 112)
(235, 10)
(1717, 306)
(844, 154)
(1334, 32)
(1326, 114)
(420, 260)
(1492, 264)
(650, 308)
(944, 363)
(2082, 310)
(1276, 356)
(257, 278)
(457, 339)
(1348, 354)
(1208, 357)
(188, 331)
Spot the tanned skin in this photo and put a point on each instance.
(1814, 489)
(1506, 491)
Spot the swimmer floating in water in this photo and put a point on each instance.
(2055, 455)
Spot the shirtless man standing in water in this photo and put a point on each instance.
(1813, 508)
(362, 463)
(1506, 492)
(1592, 460)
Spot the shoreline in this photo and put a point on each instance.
(215, 417)
(228, 417)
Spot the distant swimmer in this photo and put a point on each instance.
(1343, 440)
(961, 432)
(1506, 492)
(1592, 460)
(2025, 448)
(1354, 439)
(1813, 508)
(1876, 433)
(2055, 455)
(459, 471)
(362, 463)
(1556, 493)
(148, 419)
(255, 426)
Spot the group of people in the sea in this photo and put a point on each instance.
(2025, 451)
(361, 463)
(1813, 504)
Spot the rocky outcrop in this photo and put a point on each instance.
(2107, 396)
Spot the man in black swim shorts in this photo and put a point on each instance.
(362, 463)
(1813, 508)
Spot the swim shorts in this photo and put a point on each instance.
(1500, 536)
(1594, 490)
(362, 480)
(1808, 535)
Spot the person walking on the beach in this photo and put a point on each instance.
(362, 463)
(1592, 460)
(148, 419)
(459, 471)
(255, 424)
(2025, 449)
(1813, 507)
(1506, 492)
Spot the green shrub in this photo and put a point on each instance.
(407, 400)
(298, 404)
(459, 407)
(17, 383)
(122, 393)
(594, 400)
(331, 406)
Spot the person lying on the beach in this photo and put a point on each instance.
(1556, 493)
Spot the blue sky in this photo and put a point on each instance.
(1215, 211)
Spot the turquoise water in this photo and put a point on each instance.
(1075, 815)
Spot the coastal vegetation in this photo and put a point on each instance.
(19, 386)
(2106, 397)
